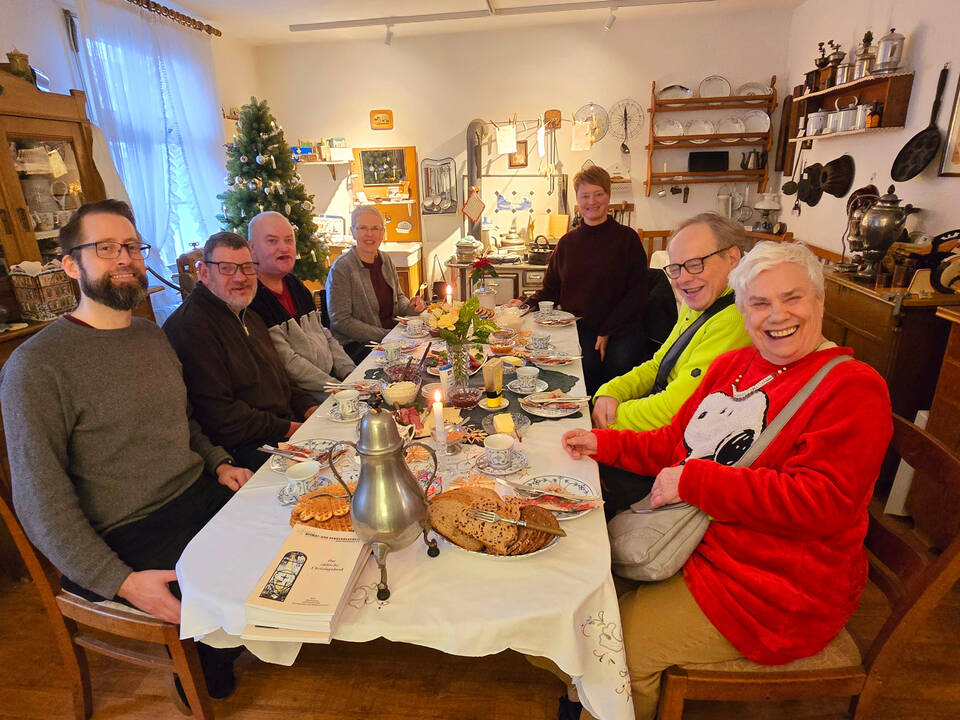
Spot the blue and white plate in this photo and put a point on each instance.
(566, 484)
(289, 495)
(514, 386)
(334, 414)
(518, 461)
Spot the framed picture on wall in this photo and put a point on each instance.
(518, 159)
(381, 119)
(950, 162)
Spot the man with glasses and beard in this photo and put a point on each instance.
(111, 476)
(240, 393)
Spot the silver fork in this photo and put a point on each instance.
(491, 516)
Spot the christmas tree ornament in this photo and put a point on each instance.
(260, 205)
(261, 159)
(238, 180)
(253, 184)
(307, 205)
(244, 159)
(239, 125)
(295, 227)
(286, 209)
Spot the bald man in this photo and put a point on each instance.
(310, 354)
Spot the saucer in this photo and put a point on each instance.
(503, 403)
(514, 386)
(549, 347)
(334, 414)
(518, 461)
(415, 336)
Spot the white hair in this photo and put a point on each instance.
(768, 254)
(362, 210)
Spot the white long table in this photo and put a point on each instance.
(560, 603)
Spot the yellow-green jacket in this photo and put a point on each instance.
(638, 411)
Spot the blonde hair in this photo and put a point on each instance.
(593, 175)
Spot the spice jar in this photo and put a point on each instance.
(875, 115)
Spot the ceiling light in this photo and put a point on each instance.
(611, 19)
(388, 38)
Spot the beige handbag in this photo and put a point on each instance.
(653, 544)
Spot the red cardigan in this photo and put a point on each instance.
(782, 565)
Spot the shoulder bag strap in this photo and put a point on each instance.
(783, 417)
(680, 344)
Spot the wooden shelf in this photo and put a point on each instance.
(854, 84)
(843, 134)
(767, 103)
(45, 234)
(332, 164)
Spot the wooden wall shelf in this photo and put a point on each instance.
(767, 103)
(814, 138)
(856, 84)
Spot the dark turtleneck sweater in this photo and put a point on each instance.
(598, 272)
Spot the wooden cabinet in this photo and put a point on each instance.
(900, 336)
(944, 421)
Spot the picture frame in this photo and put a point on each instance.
(381, 119)
(518, 159)
(950, 160)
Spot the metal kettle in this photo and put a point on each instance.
(883, 222)
(389, 507)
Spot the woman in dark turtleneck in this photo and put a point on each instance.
(598, 272)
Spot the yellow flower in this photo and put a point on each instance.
(447, 321)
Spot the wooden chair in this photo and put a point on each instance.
(68, 614)
(653, 240)
(913, 563)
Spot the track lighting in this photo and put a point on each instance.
(388, 38)
(611, 19)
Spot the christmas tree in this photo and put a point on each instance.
(261, 175)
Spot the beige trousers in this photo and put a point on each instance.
(664, 626)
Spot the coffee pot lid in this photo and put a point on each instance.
(378, 431)
(890, 198)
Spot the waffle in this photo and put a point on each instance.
(321, 510)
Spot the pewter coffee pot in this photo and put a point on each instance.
(388, 508)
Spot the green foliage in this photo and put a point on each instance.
(272, 184)
(469, 327)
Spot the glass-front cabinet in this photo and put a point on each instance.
(46, 173)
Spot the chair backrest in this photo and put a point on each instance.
(915, 564)
(654, 240)
(187, 271)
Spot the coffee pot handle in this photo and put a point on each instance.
(334, 469)
(436, 465)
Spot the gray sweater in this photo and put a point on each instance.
(98, 436)
(352, 302)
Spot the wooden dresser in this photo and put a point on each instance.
(903, 338)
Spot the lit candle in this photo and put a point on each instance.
(438, 421)
(449, 295)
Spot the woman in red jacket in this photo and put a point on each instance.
(782, 565)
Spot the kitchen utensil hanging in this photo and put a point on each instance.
(439, 191)
(598, 119)
(836, 177)
(626, 121)
(922, 147)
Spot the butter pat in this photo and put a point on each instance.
(503, 423)
(512, 360)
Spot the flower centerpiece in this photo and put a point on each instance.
(460, 325)
(481, 269)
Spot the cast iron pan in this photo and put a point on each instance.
(922, 147)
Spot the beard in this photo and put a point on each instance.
(125, 296)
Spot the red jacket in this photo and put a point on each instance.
(782, 565)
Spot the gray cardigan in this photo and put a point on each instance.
(352, 303)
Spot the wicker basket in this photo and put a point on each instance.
(46, 296)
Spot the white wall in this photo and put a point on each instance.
(437, 84)
(932, 28)
(37, 28)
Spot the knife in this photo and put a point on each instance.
(538, 491)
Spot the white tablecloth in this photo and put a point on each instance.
(560, 603)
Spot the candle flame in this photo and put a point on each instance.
(437, 397)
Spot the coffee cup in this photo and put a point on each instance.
(499, 450)
(300, 476)
(391, 350)
(546, 307)
(348, 403)
(539, 340)
(527, 378)
(45, 220)
(415, 326)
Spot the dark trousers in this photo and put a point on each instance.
(356, 351)
(157, 541)
(624, 352)
(621, 488)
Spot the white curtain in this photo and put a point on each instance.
(150, 88)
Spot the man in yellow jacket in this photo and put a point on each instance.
(703, 250)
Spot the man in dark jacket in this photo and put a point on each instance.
(238, 388)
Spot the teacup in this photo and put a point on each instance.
(499, 450)
(348, 403)
(539, 340)
(527, 378)
(45, 220)
(300, 476)
(391, 350)
(415, 326)
(546, 307)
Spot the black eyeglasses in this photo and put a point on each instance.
(229, 268)
(694, 266)
(111, 250)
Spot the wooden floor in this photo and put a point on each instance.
(382, 680)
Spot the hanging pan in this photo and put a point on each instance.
(922, 147)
